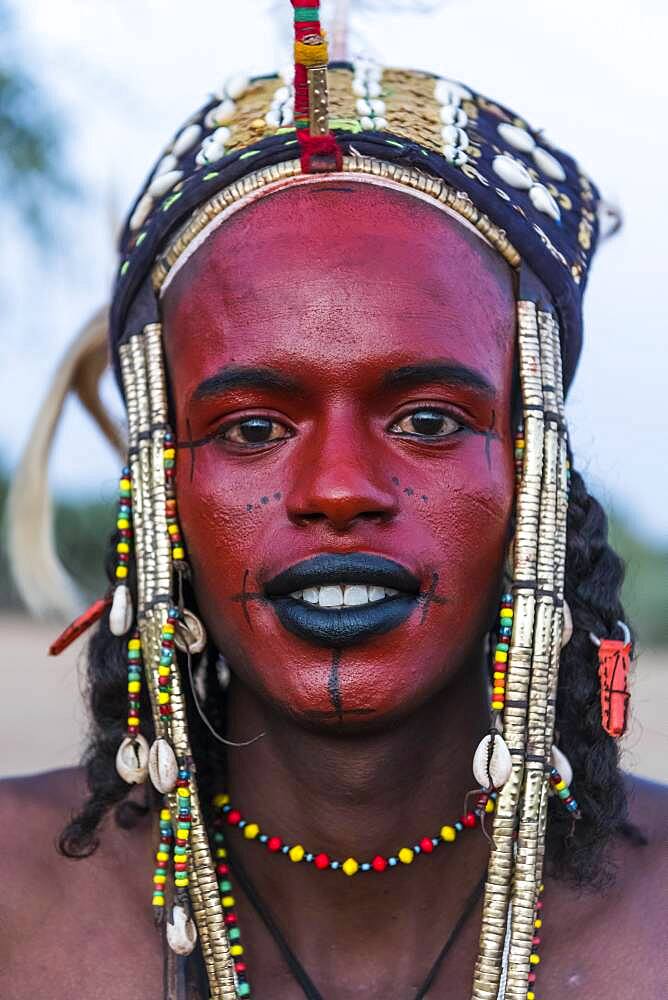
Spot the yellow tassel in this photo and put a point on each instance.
(311, 55)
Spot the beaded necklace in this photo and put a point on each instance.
(226, 815)
(484, 803)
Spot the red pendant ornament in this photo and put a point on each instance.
(614, 659)
(79, 626)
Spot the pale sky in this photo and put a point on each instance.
(592, 74)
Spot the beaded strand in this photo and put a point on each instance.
(534, 957)
(560, 788)
(351, 866)
(519, 452)
(500, 662)
(175, 537)
(228, 903)
(166, 663)
(162, 856)
(134, 683)
(124, 526)
(182, 832)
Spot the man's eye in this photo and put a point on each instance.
(426, 423)
(255, 430)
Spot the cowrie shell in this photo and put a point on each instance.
(186, 139)
(132, 760)
(452, 115)
(548, 164)
(121, 614)
(164, 183)
(512, 172)
(562, 764)
(492, 764)
(567, 627)
(453, 136)
(181, 932)
(163, 768)
(544, 202)
(516, 137)
(449, 92)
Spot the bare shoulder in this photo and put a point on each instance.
(70, 919)
(611, 943)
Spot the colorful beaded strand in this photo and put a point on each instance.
(351, 866)
(182, 833)
(501, 650)
(534, 957)
(124, 526)
(135, 666)
(173, 529)
(122, 612)
(561, 789)
(162, 857)
(166, 664)
(228, 901)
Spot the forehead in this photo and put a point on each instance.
(340, 275)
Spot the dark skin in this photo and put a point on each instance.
(366, 748)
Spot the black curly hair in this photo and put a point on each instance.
(577, 852)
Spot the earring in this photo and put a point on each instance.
(614, 659)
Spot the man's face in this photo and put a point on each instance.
(340, 361)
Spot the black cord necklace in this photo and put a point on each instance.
(301, 976)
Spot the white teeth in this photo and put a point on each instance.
(331, 597)
(351, 595)
(354, 595)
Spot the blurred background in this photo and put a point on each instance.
(91, 91)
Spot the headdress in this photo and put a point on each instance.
(436, 139)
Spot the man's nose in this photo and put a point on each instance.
(342, 481)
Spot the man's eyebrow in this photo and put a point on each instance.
(245, 377)
(445, 372)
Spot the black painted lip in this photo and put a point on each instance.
(347, 626)
(355, 567)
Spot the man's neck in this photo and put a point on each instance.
(359, 796)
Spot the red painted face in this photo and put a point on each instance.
(340, 359)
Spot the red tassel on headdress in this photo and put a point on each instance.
(614, 658)
(79, 626)
(319, 150)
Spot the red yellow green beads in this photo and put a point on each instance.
(166, 663)
(134, 683)
(297, 853)
(500, 660)
(228, 902)
(169, 461)
(182, 830)
(162, 860)
(124, 526)
(560, 788)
